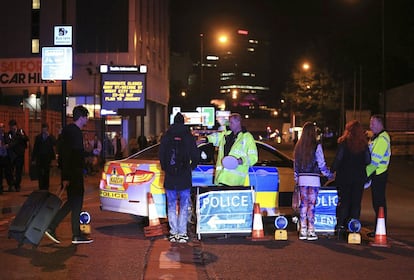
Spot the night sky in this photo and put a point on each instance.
(340, 35)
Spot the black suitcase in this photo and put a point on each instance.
(34, 217)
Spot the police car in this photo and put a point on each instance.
(125, 183)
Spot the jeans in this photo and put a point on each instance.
(178, 224)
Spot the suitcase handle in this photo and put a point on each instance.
(61, 190)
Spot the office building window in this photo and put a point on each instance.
(35, 4)
(35, 46)
(35, 26)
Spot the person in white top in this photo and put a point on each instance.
(308, 165)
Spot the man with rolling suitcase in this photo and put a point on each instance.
(72, 156)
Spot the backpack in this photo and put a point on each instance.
(177, 156)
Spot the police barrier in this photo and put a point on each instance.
(325, 209)
(222, 210)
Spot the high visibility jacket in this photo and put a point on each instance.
(380, 147)
(244, 147)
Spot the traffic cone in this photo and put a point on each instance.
(257, 232)
(154, 228)
(380, 233)
(152, 211)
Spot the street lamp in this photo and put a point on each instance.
(223, 39)
(384, 96)
(201, 62)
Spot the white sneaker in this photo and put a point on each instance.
(312, 235)
(303, 235)
(182, 238)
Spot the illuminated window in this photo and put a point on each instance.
(35, 4)
(35, 46)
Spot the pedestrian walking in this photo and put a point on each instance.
(42, 155)
(16, 150)
(73, 163)
(4, 159)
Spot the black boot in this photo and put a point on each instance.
(341, 233)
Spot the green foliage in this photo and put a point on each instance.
(313, 96)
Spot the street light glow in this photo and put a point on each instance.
(305, 66)
(223, 39)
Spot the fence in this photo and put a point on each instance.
(31, 123)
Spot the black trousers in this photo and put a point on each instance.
(6, 171)
(17, 170)
(349, 202)
(378, 186)
(74, 204)
(43, 171)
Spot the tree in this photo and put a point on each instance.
(313, 96)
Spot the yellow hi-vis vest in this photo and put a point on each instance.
(380, 149)
(244, 147)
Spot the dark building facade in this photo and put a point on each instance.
(122, 32)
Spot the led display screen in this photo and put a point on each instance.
(123, 93)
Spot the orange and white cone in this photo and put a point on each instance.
(152, 211)
(154, 228)
(380, 232)
(257, 232)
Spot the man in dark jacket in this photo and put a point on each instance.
(72, 155)
(16, 149)
(4, 159)
(42, 155)
(178, 183)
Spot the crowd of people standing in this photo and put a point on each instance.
(359, 162)
(12, 152)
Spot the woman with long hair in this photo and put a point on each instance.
(309, 164)
(351, 159)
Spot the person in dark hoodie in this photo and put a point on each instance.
(178, 157)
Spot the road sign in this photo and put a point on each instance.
(225, 211)
(57, 63)
(325, 210)
(63, 35)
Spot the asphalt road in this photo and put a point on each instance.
(121, 251)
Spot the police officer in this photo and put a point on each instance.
(377, 170)
(240, 144)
